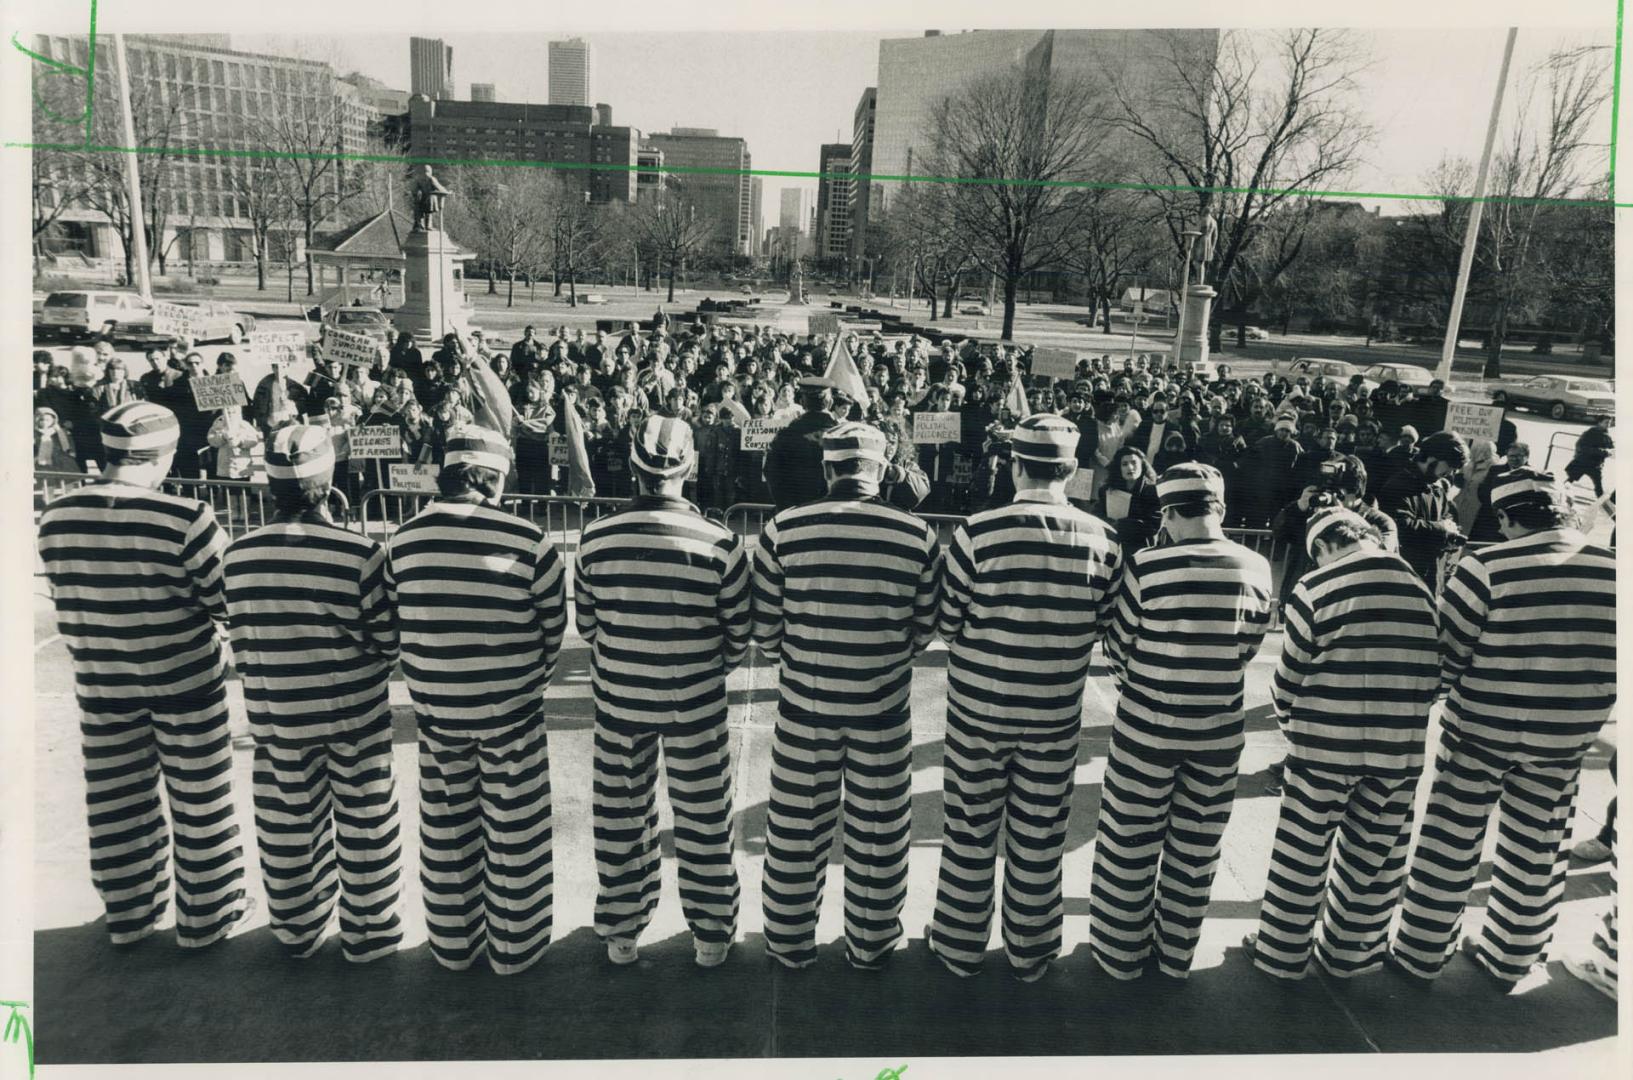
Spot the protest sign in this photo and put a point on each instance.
(936, 427)
(963, 470)
(377, 441)
(414, 477)
(1474, 421)
(353, 350)
(277, 346)
(758, 432)
(1080, 485)
(822, 324)
(558, 449)
(1056, 363)
(211, 392)
(177, 320)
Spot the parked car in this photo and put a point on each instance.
(1256, 333)
(1411, 376)
(973, 305)
(1338, 371)
(361, 320)
(1560, 396)
(75, 315)
(221, 322)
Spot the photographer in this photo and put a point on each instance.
(1342, 482)
(1419, 499)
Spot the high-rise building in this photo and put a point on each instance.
(649, 181)
(570, 72)
(833, 205)
(792, 209)
(605, 155)
(380, 97)
(710, 171)
(484, 91)
(430, 68)
(191, 90)
(756, 223)
(862, 188)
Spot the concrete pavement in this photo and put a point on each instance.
(245, 1001)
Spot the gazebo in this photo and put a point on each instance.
(367, 261)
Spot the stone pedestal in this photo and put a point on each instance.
(1193, 340)
(433, 300)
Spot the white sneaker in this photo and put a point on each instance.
(1589, 971)
(711, 953)
(622, 951)
(1590, 851)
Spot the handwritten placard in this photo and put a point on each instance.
(936, 427)
(963, 470)
(277, 346)
(215, 392)
(1474, 421)
(558, 449)
(377, 441)
(822, 324)
(413, 477)
(177, 320)
(353, 350)
(1057, 363)
(759, 431)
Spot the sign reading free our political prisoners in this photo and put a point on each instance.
(353, 350)
(936, 427)
(1474, 421)
(377, 441)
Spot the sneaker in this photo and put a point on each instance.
(622, 951)
(1588, 970)
(710, 954)
(1590, 851)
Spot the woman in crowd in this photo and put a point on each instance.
(1128, 500)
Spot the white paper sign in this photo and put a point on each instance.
(558, 449)
(353, 350)
(177, 320)
(377, 441)
(758, 432)
(1474, 421)
(278, 346)
(211, 392)
(413, 477)
(1057, 363)
(1080, 485)
(936, 427)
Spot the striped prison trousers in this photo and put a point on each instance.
(128, 746)
(1534, 801)
(1339, 861)
(1604, 938)
(873, 764)
(1162, 820)
(485, 854)
(624, 807)
(326, 818)
(1018, 780)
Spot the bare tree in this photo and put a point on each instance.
(1117, 239)
(926, 241)
(672, 229)
(499, 214)
(1232, 126)
(1032, 131)
(303, 137)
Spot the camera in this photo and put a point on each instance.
(1333, 480)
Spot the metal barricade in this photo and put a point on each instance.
(241, 506)
(1554, 445)
(562, 517)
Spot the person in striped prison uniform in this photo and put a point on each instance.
(1528, 662)
(1190, 614)
(845, 598)
(1359, 668)
(481, 610)
(662, 600)
(136, 578)
(315, 641)
(1025, 592)
(1598, 968)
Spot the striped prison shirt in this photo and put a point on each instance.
(1528, 644)
(481, 610)
(314, 639)
(1360, 666)
(136, 578)
(1189, 617)
(662, 599)
(845, 596)
(1025, 592)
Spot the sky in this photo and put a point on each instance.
(1427, 92)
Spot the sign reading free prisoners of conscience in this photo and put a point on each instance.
(1474, 421)
(936, 427)
(177, 320)
(413, 477)
(823, 324)
(1057, 363)
(759, 431)
(212, 392)
(377, 441)
(353, 350)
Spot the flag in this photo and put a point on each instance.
(580, 484)
(845, 377)
(488, 399)
(1015, 396)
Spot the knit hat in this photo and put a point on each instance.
(1189, 483)
(1045, 437)
(1322, 520)
(847, 441)
(142, 430)
(299, 452)
(662, 447)
(1526, 487)
(1284, 422)
(473, 445)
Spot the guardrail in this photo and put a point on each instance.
(562, 517)
(241, 506)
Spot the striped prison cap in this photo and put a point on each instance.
(299, 452)
(662, 447)
(1045, 437)
(1523, 486)
(473, 445)
(1189, 483)
(850, 440)
(140, 429)
(1325, 519)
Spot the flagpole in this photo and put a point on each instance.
(1471, 233)
(133, 176)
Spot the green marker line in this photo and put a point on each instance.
(287, 155)
(1615, 97)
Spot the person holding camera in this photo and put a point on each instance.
(1420, 500)
(1340, 481)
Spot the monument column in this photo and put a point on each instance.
(433, 301)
